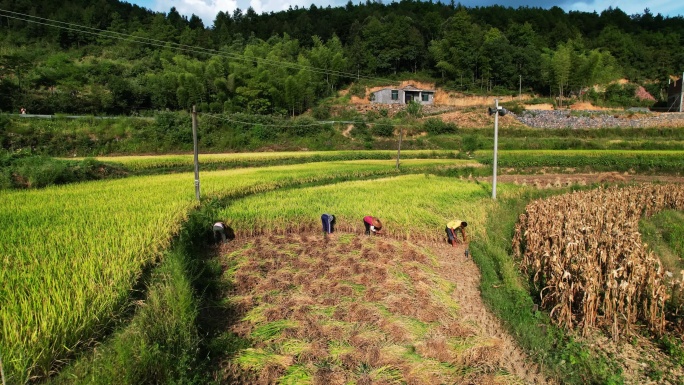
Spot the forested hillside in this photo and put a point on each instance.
(109, 57)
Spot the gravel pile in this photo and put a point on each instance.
(598, 119)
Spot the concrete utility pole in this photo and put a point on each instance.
(194, 140)
(496, 145)
(496, 112)
(401, 133)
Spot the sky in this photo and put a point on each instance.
(207, 9)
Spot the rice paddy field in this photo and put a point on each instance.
(71, 255)
(72, 258)
(412, 207)
(232, 160)
(665, 162)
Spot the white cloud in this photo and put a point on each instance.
(205, 9)
(258, 7)
(630, 7)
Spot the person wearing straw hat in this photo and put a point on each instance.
(372, 224)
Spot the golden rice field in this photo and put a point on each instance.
(410, 207)
(143, 162)
(70, 255)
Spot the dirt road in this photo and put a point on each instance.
(455, 267)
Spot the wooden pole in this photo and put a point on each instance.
(194, 140)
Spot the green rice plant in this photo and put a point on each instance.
(599, 160)
(296, 375)
(269, 330)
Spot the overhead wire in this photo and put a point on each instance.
(192, 49)
(187, 48)
(317, 123)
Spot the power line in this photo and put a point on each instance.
(317, 123)
(161, 43)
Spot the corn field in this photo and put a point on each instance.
(584, 253)
(70, 255)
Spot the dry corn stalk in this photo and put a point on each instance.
(584, 252)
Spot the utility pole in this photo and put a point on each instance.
(194, 140)
(496, 145)
(496, 112)
(520, 88)
(401, 133)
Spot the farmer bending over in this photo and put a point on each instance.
(220, 232)
(451, 228)
(372, 224)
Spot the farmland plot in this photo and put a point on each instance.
(410, 207)
(140, 163)
(585, 255)
(70, 255)
(349, 310)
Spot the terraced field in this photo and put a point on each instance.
(72, 254)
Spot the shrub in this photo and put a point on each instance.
(435, 126)
(360, 130)
(358, 90)
(471, 143)
(263, 133)
(41, 171)
(372, 116)
(514, 107)
(414, 109)
(303, 126)
(321, 112)
(383, 128)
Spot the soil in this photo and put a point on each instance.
(478, 118)
(456, 267)
(642, 362)
(584, 106)
(540, 107)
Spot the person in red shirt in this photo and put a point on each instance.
(372, 224)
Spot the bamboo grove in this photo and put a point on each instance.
(584, 254)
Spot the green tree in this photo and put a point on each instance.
(557, 66)
(456, 54)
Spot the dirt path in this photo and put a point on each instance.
(564, 180)
(455, 267)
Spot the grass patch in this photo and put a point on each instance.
(664, 233)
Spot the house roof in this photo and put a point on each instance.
(407, 88)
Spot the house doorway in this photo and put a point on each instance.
(410, 96)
